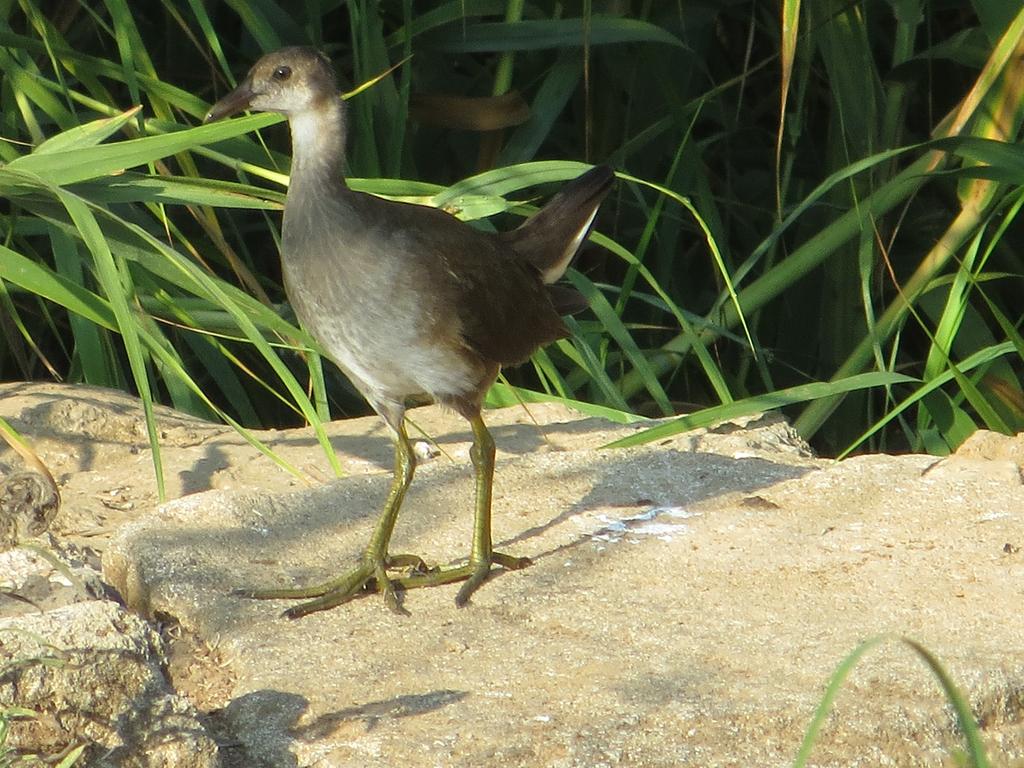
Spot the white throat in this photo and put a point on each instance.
(318, 140)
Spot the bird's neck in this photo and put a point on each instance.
(318, 143)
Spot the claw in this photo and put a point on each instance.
(482, 571)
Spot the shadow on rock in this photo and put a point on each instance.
(262, 724)
(373, 712)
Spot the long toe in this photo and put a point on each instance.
(356, 582)
(369, 575)
(414, 563)
(510, 563)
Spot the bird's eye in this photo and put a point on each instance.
(282, 73)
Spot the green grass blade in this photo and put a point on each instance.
(979, 358)
(613, 326)
(41, 281)
(88, 135)
(503, 395)
(965, 719)
(70, 166)
(761, 403)
(549, 33)
(97, 365)
(117, 287)
(835, 684)
(584, 356)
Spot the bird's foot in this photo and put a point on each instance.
(474, 573)
(369, 576)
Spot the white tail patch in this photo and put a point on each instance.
(556, 270)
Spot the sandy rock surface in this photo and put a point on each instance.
(687, 603)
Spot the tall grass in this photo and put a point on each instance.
(816, 204)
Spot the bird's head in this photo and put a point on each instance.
(289, 81)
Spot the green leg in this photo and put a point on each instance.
(375, 561)
(372, 570)
(482, 554)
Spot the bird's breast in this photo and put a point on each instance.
(365, 306)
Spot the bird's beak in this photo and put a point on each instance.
(232, 103)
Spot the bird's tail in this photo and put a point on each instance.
(550, 238)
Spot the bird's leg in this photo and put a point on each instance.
(482, 554)
(372, 570)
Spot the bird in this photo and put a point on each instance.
(410, 303)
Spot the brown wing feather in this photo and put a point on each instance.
(493, 286)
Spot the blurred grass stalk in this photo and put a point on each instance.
(974, 756)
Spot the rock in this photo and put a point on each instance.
(28, 503)
(45, 574)
(684, 608)
(92, 673)
(992, 446)
(688, 603)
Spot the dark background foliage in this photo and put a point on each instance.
(864, 250)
